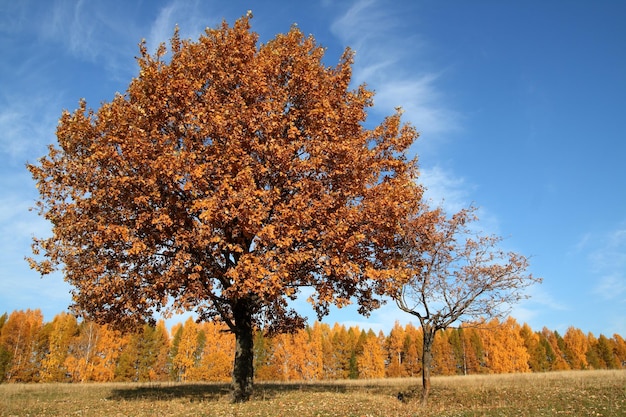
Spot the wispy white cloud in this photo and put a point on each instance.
(452, 192)
(605, 254)
(12, 143)
(444, 188)
(163, 26)
(19, 286)
(389, 57)
(27, 124)
(540, 297)
(69, 22)
(106, 34)
(14, 15)
(540, 305)
(613, 254)
(420, 101)
(381, 319)
(192, 17)
(612, 287)
(608, 263)
(581, 243)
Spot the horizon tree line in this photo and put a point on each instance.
(68, 350)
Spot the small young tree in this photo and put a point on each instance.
(456, 275)
(226, 178)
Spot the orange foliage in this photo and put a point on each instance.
(188, 351)
(232, 172)
(371, 360)
(229, 175)
(413, 344)
(216, 359)
(19, 339)
(396, 347)
(87, 351)
(504, 347)
(444, 362)
(63, 330)
(577, 346)
(556, 346)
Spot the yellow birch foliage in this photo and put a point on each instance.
(296, 356)
(371, 360)
(620, 350)
(576, 343)
(343, 345)
(443, 355)
(316, 349)
(94, 353)
(216, 361)
(413, 348)
(504, 347)
(263, 365)
(282, 357)
(187, 355)
(19, 337)
(559, 363)
(307, 354)
(78, 363)
(108, 348)
(64, 329)
(328, 350)
(159, 369)
(64, 350)
(472, 350)
(396, 351)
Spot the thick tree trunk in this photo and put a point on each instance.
(427, 361)
(243, 369)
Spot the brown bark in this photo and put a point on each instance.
(243, 369)
(427, 362)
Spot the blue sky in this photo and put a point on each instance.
(521, 108)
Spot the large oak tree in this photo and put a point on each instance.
(227, 177)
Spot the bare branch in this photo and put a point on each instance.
(457, 273)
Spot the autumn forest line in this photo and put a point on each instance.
(68, 350)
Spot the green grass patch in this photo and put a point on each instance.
(573, 393)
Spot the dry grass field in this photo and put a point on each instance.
(586, 393)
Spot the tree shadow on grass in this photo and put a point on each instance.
(214, 391)
(169, 391)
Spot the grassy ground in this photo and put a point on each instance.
(587, 393)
